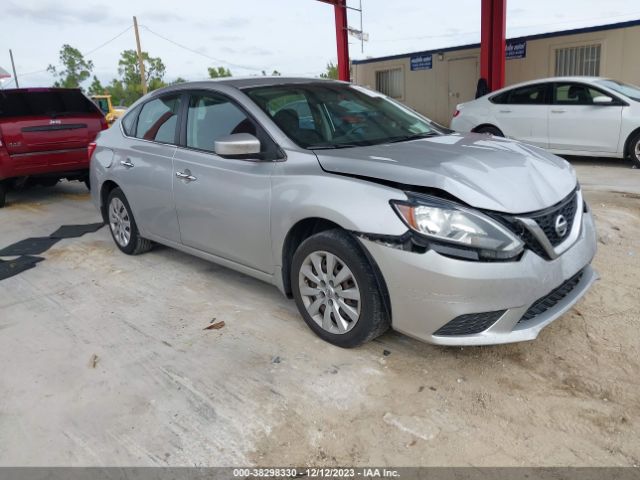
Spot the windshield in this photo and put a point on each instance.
(332, 115)
(625, 89)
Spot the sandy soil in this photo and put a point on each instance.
(105, 361)
(569, 398)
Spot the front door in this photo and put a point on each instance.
(576, 123)
(223, 204)
(463, 76)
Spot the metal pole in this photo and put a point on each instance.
(143, 80)
(13, 66)
(342, 40)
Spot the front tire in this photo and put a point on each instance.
(123, 226)
(634, 150)
(336, 290)
(490, 129)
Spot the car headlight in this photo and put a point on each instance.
(462, 228)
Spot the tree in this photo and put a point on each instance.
(96, 87)
(219, 72)
(75, 69)
(129, 70)
(331, 73)
(177, 81)
(276, 73)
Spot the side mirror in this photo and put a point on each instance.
(237, 145)
(602, 100)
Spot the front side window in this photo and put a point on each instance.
(574, 94)
(158, 120)
(528, 95)
(103, 104)
(212, 116)
(332, 115)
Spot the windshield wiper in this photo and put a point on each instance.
(331, 146)
(413, 136)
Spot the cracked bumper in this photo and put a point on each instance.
(429, 290)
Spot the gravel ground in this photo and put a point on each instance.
(106, 362)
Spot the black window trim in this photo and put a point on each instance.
(136, 111)
(278, 155)
(548, 92)
(617, 102)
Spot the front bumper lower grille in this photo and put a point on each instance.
(551, 299)
(469, 324)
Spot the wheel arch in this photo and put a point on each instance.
(307, 227)
(106, 188)
(482, 125)
(627, 143)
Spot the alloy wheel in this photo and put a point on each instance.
(120, 222)
(330, 292)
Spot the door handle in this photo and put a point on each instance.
(186, 175)
(126, 163)
(505, 111)
(558, 111)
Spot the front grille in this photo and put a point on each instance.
(547, 220)
(551, 300)
(469, 324)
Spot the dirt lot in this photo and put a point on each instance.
(105, 362)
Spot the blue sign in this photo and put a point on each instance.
(421, 62)
(516, 50)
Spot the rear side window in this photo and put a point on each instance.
(129, 121)
(529, 95)
(54, 103)
(212, 116)
(158, 120)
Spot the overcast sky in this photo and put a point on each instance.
(296, 37)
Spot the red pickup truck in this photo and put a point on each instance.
(45, 135)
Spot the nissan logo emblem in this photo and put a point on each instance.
(561, 226)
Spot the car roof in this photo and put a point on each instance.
(583, 79)
(246, 82)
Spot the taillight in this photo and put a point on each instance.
(103, 123)
(90, 149)
(456, 113)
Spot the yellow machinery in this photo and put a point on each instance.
(111, 113)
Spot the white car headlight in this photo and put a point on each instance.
(449, 223)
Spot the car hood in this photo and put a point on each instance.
(485, 172)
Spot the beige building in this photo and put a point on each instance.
(433, 82)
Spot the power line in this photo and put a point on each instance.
(84, 54)
(214, 59)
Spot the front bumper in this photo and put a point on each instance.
(429, 290)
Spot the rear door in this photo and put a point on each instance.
(575, 123)
(45, 127)
(522, 113)
(143, 164)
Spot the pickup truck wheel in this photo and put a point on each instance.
(336, 290)
(123, 226)
(634, 151)
(4, 186)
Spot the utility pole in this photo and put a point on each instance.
(140, 60)
(13, 65)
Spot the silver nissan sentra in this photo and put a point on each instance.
(368, 214)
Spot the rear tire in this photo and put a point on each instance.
(344, 306)
(634, 150)
(123, 226)
(490, 129)
(4, 187)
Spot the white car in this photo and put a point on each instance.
(588, 116)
